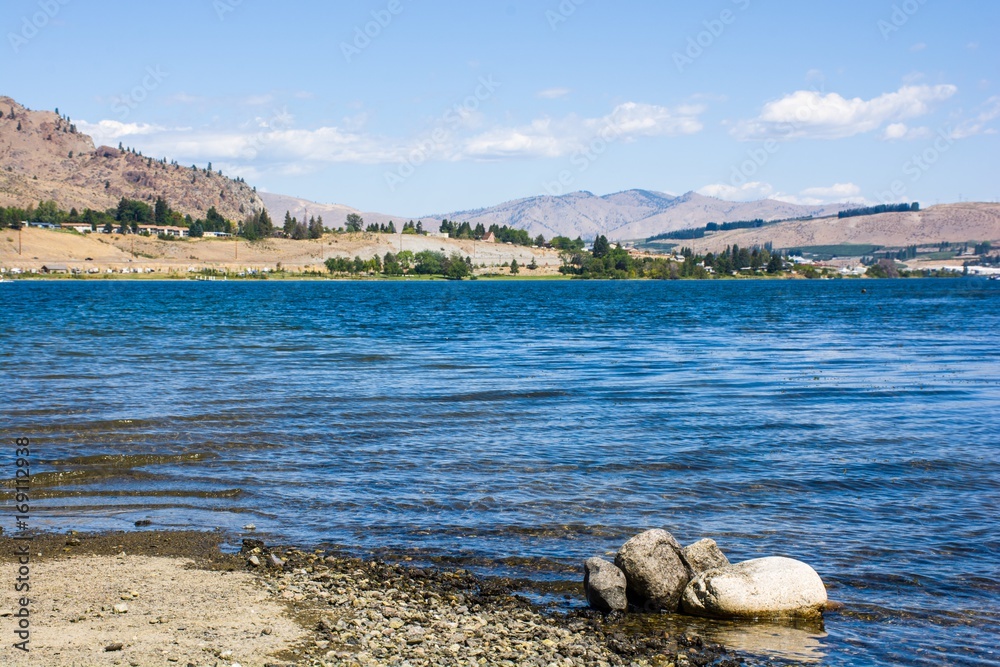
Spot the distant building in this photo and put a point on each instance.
(166, 230)
(41, 225)
(77, 227)
(490, 238)
(55, 268)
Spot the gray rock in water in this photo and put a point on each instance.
(704, 555)
(604, 584)
(654, 569)
(760, 587)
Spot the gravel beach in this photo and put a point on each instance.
(165, 598)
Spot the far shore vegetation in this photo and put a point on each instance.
(600, 260)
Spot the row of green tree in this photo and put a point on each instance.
(700, 232)
(881, 208)
(613, 261)
(426, 263)
(129, 214)
(503, 234)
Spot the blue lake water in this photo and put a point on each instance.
(520, 427)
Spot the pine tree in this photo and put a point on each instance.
(161, 211)
(601, 247)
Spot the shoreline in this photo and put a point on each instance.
(302, 607)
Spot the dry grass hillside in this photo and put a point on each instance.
(48, 159)
(101, 252)
(955, 223)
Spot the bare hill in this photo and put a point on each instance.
(43, 156)
(954, 223)
(632, 214)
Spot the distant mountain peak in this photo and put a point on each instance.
(629, 214)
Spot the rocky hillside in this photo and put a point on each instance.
(43, 156)
(633, 214)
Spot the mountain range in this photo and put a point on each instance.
(632, 214)
(44, 157)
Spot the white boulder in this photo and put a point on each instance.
(761, 587)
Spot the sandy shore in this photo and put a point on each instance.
(163, 598)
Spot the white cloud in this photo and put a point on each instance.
(812, 115)
(901, 131)
(980, 124)
(838, 193)
(553, 93)
(107, 132)
(539, 139)
(918, 47)
(746, 192)
(815, 75)
(551, 138)
(755, 191)
(275, 144)
(651, 120)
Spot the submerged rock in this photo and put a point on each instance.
(605, 585)
(761, 587)
(655, 571)
(704, 555)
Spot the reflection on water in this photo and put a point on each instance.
(801, 644)
(525, 427)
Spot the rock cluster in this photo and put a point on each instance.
(656, 574)
(376, 613)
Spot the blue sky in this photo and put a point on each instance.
(446, 106)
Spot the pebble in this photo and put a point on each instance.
(374, 613)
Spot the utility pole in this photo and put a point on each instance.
(19, 227)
